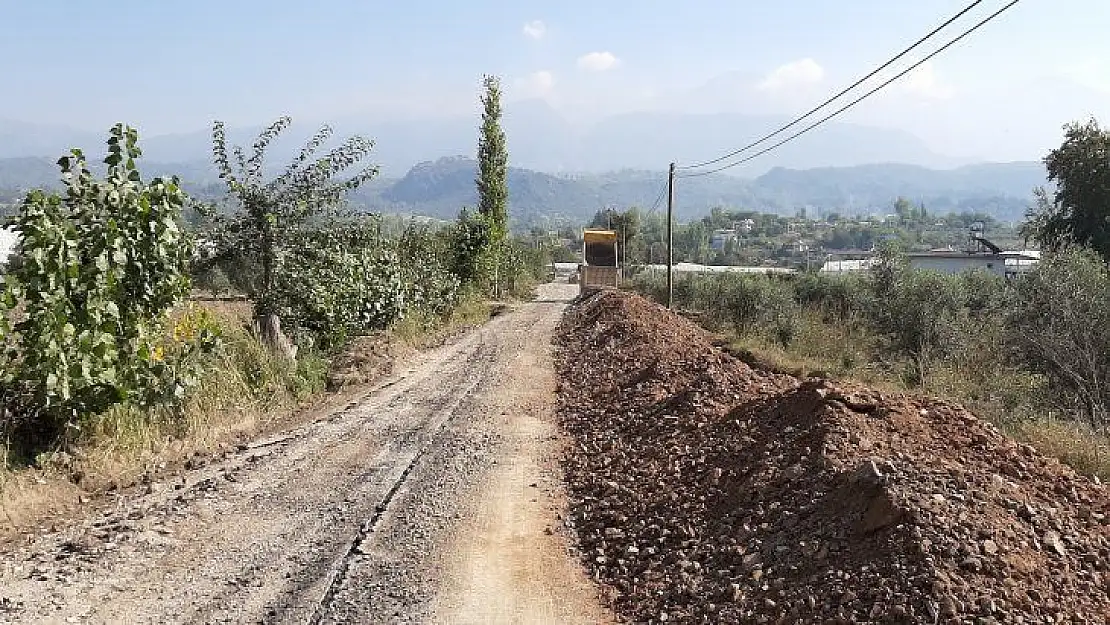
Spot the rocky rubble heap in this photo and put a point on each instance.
(705, 491)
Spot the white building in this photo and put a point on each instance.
(696, 268)
(846, 265)
(1005, 264)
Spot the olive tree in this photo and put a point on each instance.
(1058, 326)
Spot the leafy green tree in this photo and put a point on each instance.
(337, 282)
(99, 268)
(471, 241)
(1078, 211)
(271, 212)
(903, 208)
(482, 254)
(493, 162)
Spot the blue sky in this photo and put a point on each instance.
(173, 67)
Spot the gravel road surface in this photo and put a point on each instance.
(435, 498)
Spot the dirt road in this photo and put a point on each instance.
(433, 499)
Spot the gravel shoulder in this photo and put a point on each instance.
(508, 563)
(360, 516)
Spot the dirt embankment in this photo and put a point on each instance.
(705, 491)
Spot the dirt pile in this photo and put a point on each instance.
(705, 491)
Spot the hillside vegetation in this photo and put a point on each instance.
(438, 188)
(1000, 190)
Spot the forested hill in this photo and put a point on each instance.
(1002, 189)
(440, 188)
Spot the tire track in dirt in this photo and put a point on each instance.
(297, 530)
(506, 556)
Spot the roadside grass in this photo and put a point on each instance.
(1076, 445)
(419, 331)
(246, 391)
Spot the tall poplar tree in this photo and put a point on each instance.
(493, 163)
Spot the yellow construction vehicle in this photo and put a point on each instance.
(599, 268)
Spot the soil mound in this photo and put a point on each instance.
(703, 490)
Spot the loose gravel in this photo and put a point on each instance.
(705, 491)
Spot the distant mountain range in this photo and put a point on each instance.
(539, 138)
(439, 188)
(617, 162)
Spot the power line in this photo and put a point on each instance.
(658, 198)
(822, 105)
(857, 100)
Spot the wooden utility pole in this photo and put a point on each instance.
(670, 236)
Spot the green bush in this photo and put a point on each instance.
(920, 314)
(330, 284)
(840, 298)
(340, 280)
(431, 287)
(471, 242)
(1058, 326)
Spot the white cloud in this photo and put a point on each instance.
(536, 85)
(535, 29)
(598, 61)
(802, 72)
(924, 82)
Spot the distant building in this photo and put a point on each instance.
(846, 265)
(696, 268)
(721, 238)
(982, 254)
(847, 260)
(1007, 264)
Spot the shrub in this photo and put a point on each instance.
(431, 287)
(1058, 327)
(471, 240)
(334, 283)
(919, 313)
(840, 298)
(782, 313)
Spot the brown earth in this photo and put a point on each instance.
(703, 490)
(508, 563)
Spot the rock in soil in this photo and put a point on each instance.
(705, 491)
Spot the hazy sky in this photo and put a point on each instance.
(174, 66)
